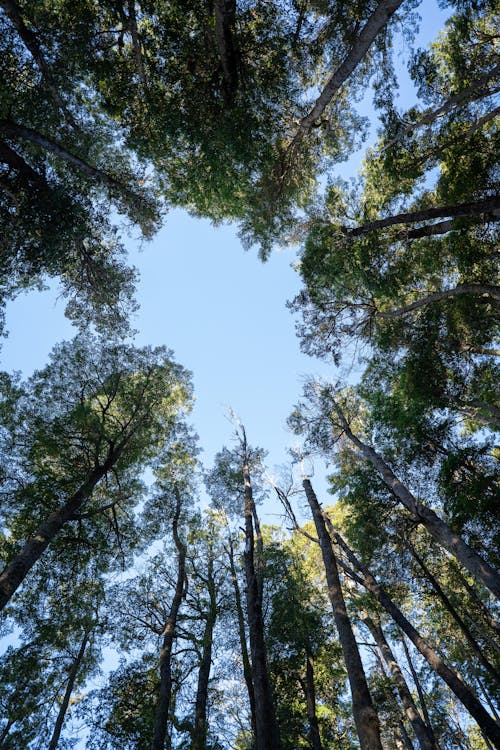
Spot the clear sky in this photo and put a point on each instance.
(220, 309)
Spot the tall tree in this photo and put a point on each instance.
(97, 411)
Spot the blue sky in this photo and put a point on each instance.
(220, 309)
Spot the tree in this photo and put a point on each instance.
(230, 484)
(95, 412)
(365, 716)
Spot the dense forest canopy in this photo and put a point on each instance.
(146, 606)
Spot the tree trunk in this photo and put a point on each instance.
(67, 694)
(267, 731)
(136, 44)
(31, 42)
(225, 11)
(20, 132)
(14, 160)
(472, 208)
(453, 612)
(379, 18)
(199, 737)
(425, 739)
(247, 669)
(421, 695)
(474, 91)
(437, 528)
(365, 716)
(477, 289)
(310, 696)
(15, 572)
(452, 679)
(165, 691)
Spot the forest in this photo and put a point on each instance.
(146, 605)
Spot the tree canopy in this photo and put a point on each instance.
(146, 604)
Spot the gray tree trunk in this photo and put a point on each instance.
(365, 716)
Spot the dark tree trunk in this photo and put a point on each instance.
(69, 690)
(474, 208)
(365, 716)
(199, 737)
(29, 38)
(452, 679)
(225, 13)
(310, 695)
(18, 132)
(165, 691)
(437, 528)
(15, 572)
(377, 21)
(405, 737)
(247, 668)
(453, 612)
(424, 737)
(421, 695)
(267, 731)
(458, 291)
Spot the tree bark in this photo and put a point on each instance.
(437, 528)
(69, 690)
(453, 612)
(165, 691)
(136, 44)
(247, 669)
(267, 731)
(31, 42)
(15, 161)
(379, 18)
(225, 12)
(15, 572)
(199, 737)
(365, 716)
(477, 289)
(310, 696)
(450, 677)
(21, 133)
(473, 208)
(472, 92)
(418, 686)
(425, 738)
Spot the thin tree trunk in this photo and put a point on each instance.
(472, 208)
(15, 572)
(31, 42)
(69, 690)
(443, 227)
(421, 695)
(20, 132)
(425, 739)
(405, 737)
(452, 679)
(225, 12)
(14, 160)
(267, 731)
(247, 669)
(136, 44)
(494, 625)
(165, 691)
(453, 612)
(310, 695)
(437, 528)
(481, 411)
(377, 21)
(472, 92)
(200, 729)
(477, 289)
(365, 716)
